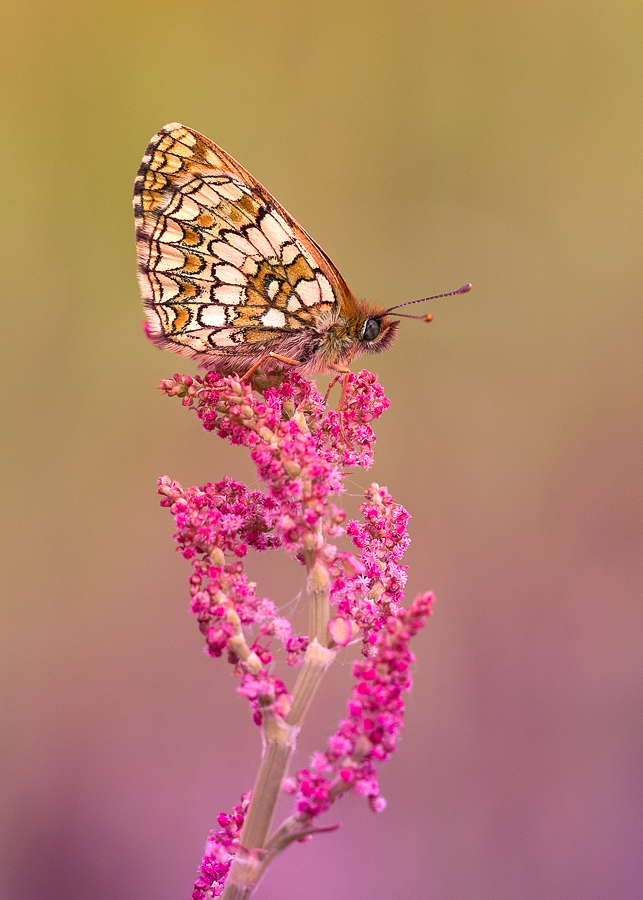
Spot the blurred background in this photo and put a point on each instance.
(423, 145)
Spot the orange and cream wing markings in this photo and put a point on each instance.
(222, 266)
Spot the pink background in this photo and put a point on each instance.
(423, 145)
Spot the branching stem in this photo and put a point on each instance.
(279, 744)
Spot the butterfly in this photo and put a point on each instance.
(229, 278)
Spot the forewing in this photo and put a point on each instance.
(223, 268)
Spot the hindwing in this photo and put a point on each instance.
(223, 268)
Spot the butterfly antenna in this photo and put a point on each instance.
(461, 290)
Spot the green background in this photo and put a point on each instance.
(423, 145)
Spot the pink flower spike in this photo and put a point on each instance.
(300, 450)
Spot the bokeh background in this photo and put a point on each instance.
(423, 144)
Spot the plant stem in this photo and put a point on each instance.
(319, 609)
(234, 891)
(316, 662)
(279, 743)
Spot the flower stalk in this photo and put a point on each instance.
(317, 660)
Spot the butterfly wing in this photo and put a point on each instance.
(225, 272)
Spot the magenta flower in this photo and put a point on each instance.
(300, 449)
(219, 852)
(374, 720)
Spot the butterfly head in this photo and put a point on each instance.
(359, 328)
(362, 329)
(371, 330)
(377, 333)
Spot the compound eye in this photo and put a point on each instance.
(371, 330)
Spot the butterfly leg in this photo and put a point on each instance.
(343, 373)
(283, 359)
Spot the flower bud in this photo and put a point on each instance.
(340, 630)
(217, 558)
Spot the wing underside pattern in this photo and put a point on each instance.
(223, 268)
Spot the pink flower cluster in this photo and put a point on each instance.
(375, 588)
(220, 849)
(300, 449)
(375, 718)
